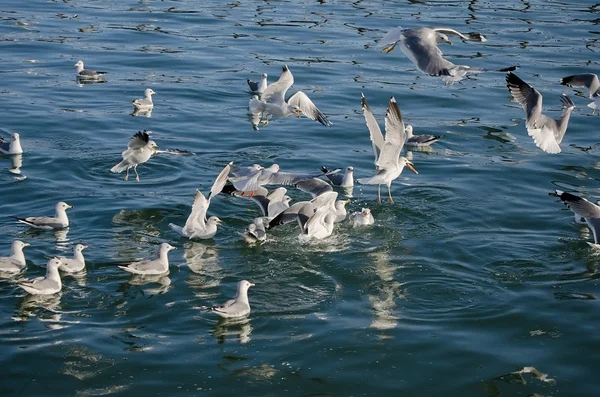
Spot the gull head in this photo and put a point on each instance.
(244, 285)
(213, 220)
(152, 145)
(18, 244)
(441, 38)
(349, 169)
(404, 161)
(286, 200)
(165, 247)
(79, 63)
(80, 247)
(409, 130)
(264, 75)
(366, 212)
(274, 168)
(149, 92)
(54, 263)
(61, 205)
(15, 136)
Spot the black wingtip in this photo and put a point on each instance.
(566, 81)
(509, 69)
(324, 169)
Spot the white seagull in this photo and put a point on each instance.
(419, 141)
(14, 263)
(146, 102)
(255, 232)
(345, 180)
(258, 87)
(59, 221)
(47, 285)
(238, 306)
(388, 162)
(12, 147)
(139, 150)
(87, 74)
(362, 218)
(586, 210)
(589, 81)
(547, 133)
(273, 102)
(75, 264)
(315, 224)
(152, 267)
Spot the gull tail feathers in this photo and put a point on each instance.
(122, 166)
(176, 228)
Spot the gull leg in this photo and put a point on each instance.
(127, 174)
(390, 194)
(137, 176)
(379, 194)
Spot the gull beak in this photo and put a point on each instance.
(410, 166)
(347, 201)
(69, 206)
(85, 246)
(297, 113)
(26, 244)
(252, 284)
(219, 222)
(449, 42)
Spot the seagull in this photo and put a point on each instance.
(302, 210)
(238, 306)
(255, 232)
(146, 102)
(75, 264)
(152, 267)
(346, 180)
(267, 176)
(258, 87)
(86, 74)
(419, 141)
(273, 102)
(12, 147)
(197, 226)
(318, 225)
(271, 204)
(14, 263)
(364, 217)
(140, 149)
(547, 133)
(59, 221)
(50, 284)
(589, 81)
(585, 209)
(388, 162)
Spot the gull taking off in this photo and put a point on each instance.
(238, 306)
(547, 133)
(47, 285)
(388, 162)
(139, 150)
(59, 221)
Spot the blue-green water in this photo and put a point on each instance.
(474, 274)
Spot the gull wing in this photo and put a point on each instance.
(471, 36)
(582, 207)
(314, 186)
(420, 46)
(139, 140)
(528, 97)
(587, 80)
(220, 181)
(197, 218)
(275, 92)
(374, 130)
(308, 108)
(395, 136)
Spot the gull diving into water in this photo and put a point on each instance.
(273, 103)
(388, 162)
(139, 150)
(547, 133)
(586, 210)
(589, 81)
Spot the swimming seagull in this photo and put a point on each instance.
(255, 232)
(59, 221)
(419, 141)
(364, 218)
(150, 267)
(345, 180)
(258, 87)
(273, 102)
(139, 150)
(589, 81)
(87, 74)
(47, 285)
(146, 102)
(585, 209)
(547, 133)
(75, 264)
(196, 225)
(14, 263)
(238, 306)
(12, 147)
(388, 162)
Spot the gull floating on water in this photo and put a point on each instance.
(87, 74)
(75, 264)
(59, 221)
(47, 285)
(14, 263)
(584, 209)
(388, 162)
(197, 226)
(152, 267)
(273, 102)
(362, 218)
(419, 141)
(547, 133)
(345, 180)
(258, 87)
(255, 232)
(146, 102)
(12, 147)
(139, 150)
(589, 81)
(238, 306)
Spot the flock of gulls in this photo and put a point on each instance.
(317, 217)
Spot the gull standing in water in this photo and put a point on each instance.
(152, 267)
(258, 87)
(419, 141)
(59, 221)
(14, 263)
(585, 209)
(50, 284)
(75, 264)
(547, 133)
(273, 102)
(238, 306)
(589, 81)
(388, 162)
(139, 150)
(197, 226)
(12, 147)
(87, 74)
(364, 218)
(420, 46)
(345, 180)
(146, 102)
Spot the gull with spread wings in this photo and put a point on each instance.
(589, 81)
(139, 150)
(273, 103)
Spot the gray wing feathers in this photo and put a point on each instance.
(374, 130)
